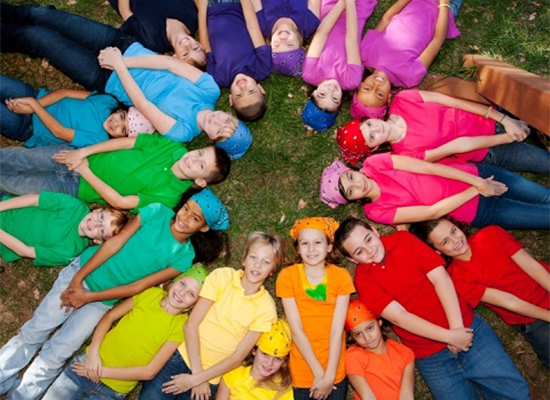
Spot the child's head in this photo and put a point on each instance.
(209, 165)
(102, 224)
(269, 359)
(359, 139)
(263, 255)
(372, 97)
(313, 240)
(444, 235)
(127, 122)
(363, 327)
(182, 293)
(323, 106)
(359, 242)
(247, 97)
(341, 184)
(189, 50)
(287, 54)
(226, 131)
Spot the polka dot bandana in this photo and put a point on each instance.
(326, 225)
(352, 143)
(316, 118)
(197, 271)
(288, 63)
(330, 195)
(238, 143)
(137, 123)
(358, 110)
(357, 314)
(215, 213)
(277, 341)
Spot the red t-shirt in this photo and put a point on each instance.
(492, 266)
(402, 277)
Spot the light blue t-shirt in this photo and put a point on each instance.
(172, 94)
(86, 117)
(151, 249)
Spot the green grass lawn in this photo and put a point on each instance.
(277, 181)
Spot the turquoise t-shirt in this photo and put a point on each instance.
(173, 95)
(51, 228)
(86, 117)
(151, 249)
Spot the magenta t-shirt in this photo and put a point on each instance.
(332, 63)
(430, 125)
(403, 189)
(397, 49)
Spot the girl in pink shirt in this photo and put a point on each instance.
(431, 126)
(399, 51)
(333, 61)
(400, 190)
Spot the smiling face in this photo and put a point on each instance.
(375, 90)
(218, 125)
(188, 220)
(196, 165)
(313, 247)
(259, 263)
(356, 185)
(364, 246)
(116, 124)
(285, 36)
(368, 335)
(189, 50)
(328, 95)
(97, 225)
(450, 240)
(265, 365)
(184, 293)
(375, 132)
(245, 91)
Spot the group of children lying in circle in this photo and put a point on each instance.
(119, 145)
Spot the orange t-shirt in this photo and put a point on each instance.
(316, 317)
(383, 372)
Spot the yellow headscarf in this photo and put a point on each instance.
(326, 225)
(277, 341)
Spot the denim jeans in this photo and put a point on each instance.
(24, 171)
(12, 125)
(74, 330)
(526, 204)
(152, 390)
(338, 394)
(71, 43)
(70, 386)
(538, 334)
(456, 5)
(485, 367)
(518, 157)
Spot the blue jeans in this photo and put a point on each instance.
(518, 157)
(71, 43)
(12, 125)
(24, 171)
(70, 386)
(538, 334)
(456, 5)
(338, 394)
(74, 330)
(526, 204)
(152, 390)
(485, 367)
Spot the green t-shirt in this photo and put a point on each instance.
(51, 228)
(151, 249)
(145, 171)
(139, 336)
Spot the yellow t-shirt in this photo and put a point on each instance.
(243, 386)
(231, 316)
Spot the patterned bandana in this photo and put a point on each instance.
(137, 123)
(197, 272)
(238, 143)
(288, 63)
(330, 195)
(215, 213)
(352, 143)
(277, 341)
(326, 225)
(357, 314)
(358, 110)
(316, 118)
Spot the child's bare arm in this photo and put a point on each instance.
(16, 245)
(223, 391)
(352, 43)
(27, 200)
(398, 315)
(388, 15)
(440, 35)
(361, 387)
(204, 37)
(56, 95)
(532, 268)
(513, 303)
(446, 293)
(315, 7)
(407, 383)
(326, 25)
(124, 9)
(252, 24)
(175, 66)
(465, 144)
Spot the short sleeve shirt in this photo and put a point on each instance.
(139, 335)
(383, 372)
(403, 189)
(492, 266)
(402, 277)
(230, 317)
(85, 117)
(232, 49)
(145, 171)
(296, 10)
(151, 249)
(316, 317)
(51, 228)
(243, 386)
(175, 96)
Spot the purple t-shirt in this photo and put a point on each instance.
(296, 10)
(396, 51)
(332, 63)
(232, 49)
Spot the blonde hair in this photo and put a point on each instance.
(265, 239)
(279, 380)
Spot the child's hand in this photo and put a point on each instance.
(179, 384)
(461, 338)
(93, 366)
(491, 188)
(74, 297)
(109, 57)
(516, 129)
(72, 159)
(21, 105)
(322, 387)
(84, 165)
(201, 392)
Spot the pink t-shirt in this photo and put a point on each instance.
(397, 49)
(430, 125)
(332, 63)
(403, 189)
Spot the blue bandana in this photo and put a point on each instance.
(288, 63)
(238, 143)
(316, 118)
(215, 213)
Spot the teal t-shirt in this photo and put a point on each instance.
(86, 117)
(145, 171)
(151, 249)
(51, 228)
